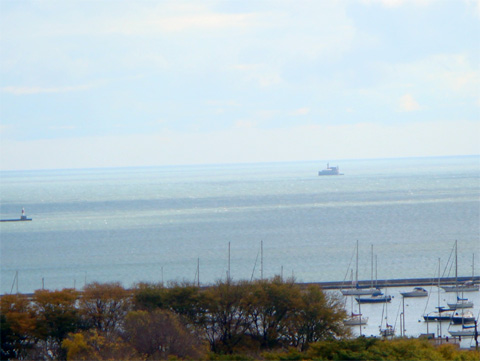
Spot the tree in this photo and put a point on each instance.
(159, 335)
(319, 317)
(149, 297)
(104, 305)
(271, 302)
(184, 300)
(225, 321)
(92, 345)
(56, 316)
(17, 327)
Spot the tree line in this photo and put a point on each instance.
(151, 321)
(261, 320)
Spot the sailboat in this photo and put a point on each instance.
(466, 331)
(388, 331)
(463, 318)
(442, 313)
(355, 319)
(468, 286)
(461, 303)
(356, 290)
(374, 299)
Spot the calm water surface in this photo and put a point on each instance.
(148, 224)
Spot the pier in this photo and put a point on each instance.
(23, 218)
(400, 282)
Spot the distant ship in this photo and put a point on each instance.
(23, 217)
(330, 171)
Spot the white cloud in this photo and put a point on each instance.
(398, 3)
(243, 123)
(263, 75)
(62, 127)
(408, 104)
(301, 111)
(475, 4)
(156, 22)
(437, 78)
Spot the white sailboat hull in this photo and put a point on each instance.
(462, 333)
(361, 292)
(359, 321)
(459, 289)
(459, 305)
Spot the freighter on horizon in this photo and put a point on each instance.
(330, 171)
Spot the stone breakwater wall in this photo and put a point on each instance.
(401, 282)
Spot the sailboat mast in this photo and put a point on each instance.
(440, 334)
(456, 264)
(261, 260)
(228, 273)
(198, 272)
(473, 266)
(356, 271)
(371, 267)
(439, 283)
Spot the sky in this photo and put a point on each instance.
(89, 83)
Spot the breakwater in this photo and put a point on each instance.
(400, 282)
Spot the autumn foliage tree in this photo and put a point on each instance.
(262, 314)
(56, 315)
(106, 321)
(159, 334)
(94, 345)
(104, 306)
(17, 327)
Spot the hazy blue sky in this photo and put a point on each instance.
(134, 83)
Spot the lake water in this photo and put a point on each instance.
(152, 224)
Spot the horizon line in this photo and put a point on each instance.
(236, 163)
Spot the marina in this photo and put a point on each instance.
(416, 316)
(408, 316)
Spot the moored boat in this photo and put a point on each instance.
(464, 332)
(461, 303)
(355, 319)
(362, 292)
(356, 290)
(416, 292)
(388, 331)
(468, 286)
(443, 314)
(463, 319)
(374, 299)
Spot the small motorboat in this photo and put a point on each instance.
(416, 292)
